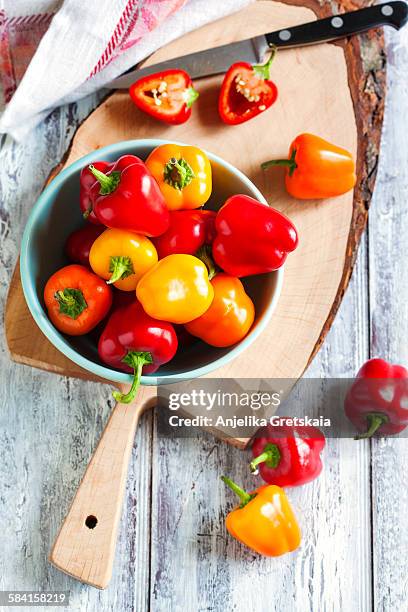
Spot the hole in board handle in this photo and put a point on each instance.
(91, 521)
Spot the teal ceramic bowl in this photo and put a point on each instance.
(56, 214)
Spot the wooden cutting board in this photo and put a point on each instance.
(325, 89)
(328, 90)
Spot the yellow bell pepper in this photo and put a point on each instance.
(122, 257)
(176, 289)
(264, 521)
(183, 174)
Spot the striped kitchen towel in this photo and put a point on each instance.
(54, 52)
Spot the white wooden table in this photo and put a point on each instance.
(173, 552)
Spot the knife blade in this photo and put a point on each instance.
(253, 50)
(204, 63)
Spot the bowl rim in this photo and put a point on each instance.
(58, 340)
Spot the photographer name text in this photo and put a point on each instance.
(250, 420)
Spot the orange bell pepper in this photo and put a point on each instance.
(183, 175)
(122, 257)
(316, 169)
(177, 289)
(76, 300)
(230, 316)
(264, 521)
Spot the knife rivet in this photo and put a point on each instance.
(387, 10)
(285, 35)
(337, 22)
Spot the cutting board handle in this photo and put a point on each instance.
(85, 545)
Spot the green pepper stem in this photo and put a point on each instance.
(178, 168)
(271, 457)
(121, 267)
(243, 495)
(289, 163)
(136, 360)
(71, 302)
(204, 254)
(63, 297)
(108, 182)
(178, 173)
(374, 421)
(190, 96)
(263, 70)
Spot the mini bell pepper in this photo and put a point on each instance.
(134, 342)
(122, 257)
(230, 316)
(79, 243)
(316, 169)
(188, 231)
(86, 180)
(251, 238)
(76, 300)
(167, 96)
(264, 521)
(377, 401)
(126, 196)
(176, 289)
(246, 92)
(183, 174)
(288, 456)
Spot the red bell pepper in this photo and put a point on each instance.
(377, 401)
(288, 455)
(132, 341)
(246, 92)
(188, 231)
(79, 243)
(167, 96)
(126, 196)
(86, 180)
(251, 238)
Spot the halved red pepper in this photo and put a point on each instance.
(288, 455)
(188, 231)
(246, 92)
(251, 238)
(133, 341)
(126, 196)
(377, 401)
(167, 96)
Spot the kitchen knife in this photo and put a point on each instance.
(218, 59)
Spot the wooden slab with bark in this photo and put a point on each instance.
(336, 91)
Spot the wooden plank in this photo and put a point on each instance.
(197, 565)
(49, 425)
(388, 271)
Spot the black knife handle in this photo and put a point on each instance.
(394, 14)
